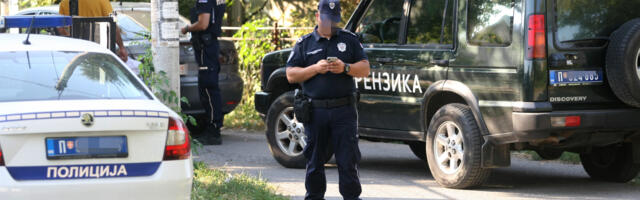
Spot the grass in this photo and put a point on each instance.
(216, 184)
(244, 117)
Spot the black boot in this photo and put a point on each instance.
(212, 136)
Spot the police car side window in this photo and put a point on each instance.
(381, 22)
(490, 22)
(431, 22)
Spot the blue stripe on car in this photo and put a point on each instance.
(96, 171)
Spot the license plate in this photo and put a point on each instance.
(570, 78)
(86, 147)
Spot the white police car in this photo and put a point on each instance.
(75, 123)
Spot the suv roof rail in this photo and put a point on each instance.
(38, 21)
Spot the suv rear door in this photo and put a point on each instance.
(579, 32)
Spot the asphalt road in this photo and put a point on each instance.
(391, 171)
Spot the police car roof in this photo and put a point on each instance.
(14, 42)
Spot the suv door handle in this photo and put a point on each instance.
(444, 63)
(384, 60)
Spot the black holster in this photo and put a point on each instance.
(206, 39)
(302, 107)
(196, 42)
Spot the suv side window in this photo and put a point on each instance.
(381, 23)
(490, 22)
(431, 22)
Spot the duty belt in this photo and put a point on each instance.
(332, 103)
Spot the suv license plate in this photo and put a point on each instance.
(571, 78)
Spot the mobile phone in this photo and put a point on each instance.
(332, 59)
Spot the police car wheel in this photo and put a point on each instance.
(612, 163)
(454, 147)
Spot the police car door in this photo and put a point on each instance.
(379, 28)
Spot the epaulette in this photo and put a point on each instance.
(349, 32)
(304, 37)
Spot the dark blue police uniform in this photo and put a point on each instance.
(207, 50)
(335, 126)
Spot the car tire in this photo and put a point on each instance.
(549, 154)
(612, 163)
(455, 158)
(418, 149)
(280, 108)
(623, 63)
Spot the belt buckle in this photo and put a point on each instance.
(203, 68)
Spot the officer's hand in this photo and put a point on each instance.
(183, 30)
(336, 67)
(322, 67)
(123, 54)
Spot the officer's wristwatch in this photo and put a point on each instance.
(347, 68)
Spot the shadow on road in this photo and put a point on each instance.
(390, 171)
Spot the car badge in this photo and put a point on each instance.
(332, 5)
(342, 47)
(87, 119)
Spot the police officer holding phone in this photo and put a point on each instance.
(206, 24)
(325, 62)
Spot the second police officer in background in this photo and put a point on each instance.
(206, 24)
(325, 62)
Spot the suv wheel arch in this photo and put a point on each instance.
(278, 84)
(445, 92)
(459, 93)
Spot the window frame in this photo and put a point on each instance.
(437, 47)
(511, 32)
(401, 29)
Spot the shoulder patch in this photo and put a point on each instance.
(349, 32)
(304, 37)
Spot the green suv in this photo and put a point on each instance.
(464, 82)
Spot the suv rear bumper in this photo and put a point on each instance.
(531, 126)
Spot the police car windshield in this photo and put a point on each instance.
(55, 75)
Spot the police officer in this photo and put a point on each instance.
(206, 23)
(325, 62)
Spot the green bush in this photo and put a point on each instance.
(250, 52)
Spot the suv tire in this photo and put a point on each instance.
(612, 163)
(623, 64)
(549, 154)
(418, 149)
(283, 107)
(460, 143)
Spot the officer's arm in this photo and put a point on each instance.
(360, 69)
(202, 23)
(299, 74)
